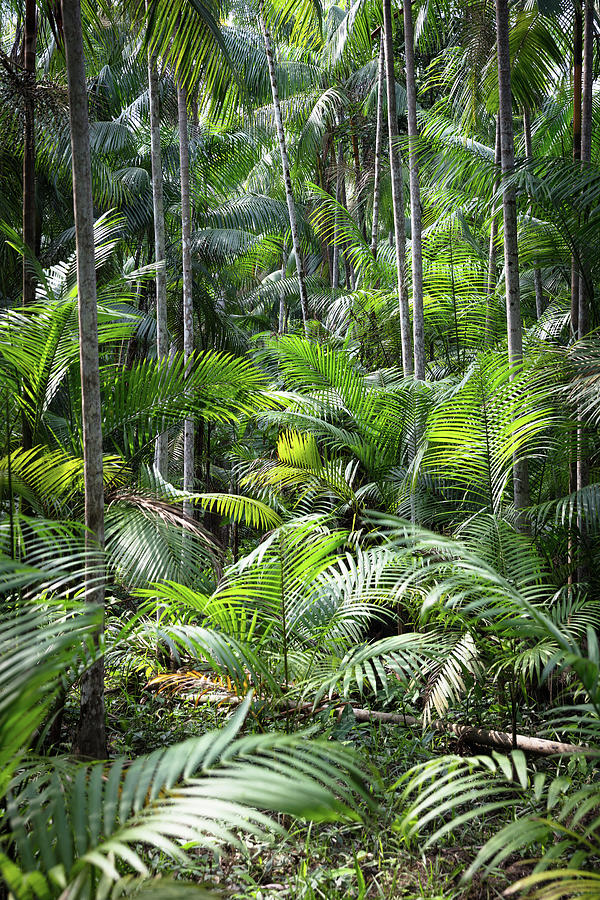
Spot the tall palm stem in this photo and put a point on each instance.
(378, 145)
(415, 194)
(91, 735)
(188, 310)
(585, 286)
(29, 212)
(577, 73)
(285, 165)
(162, 335)
(537, 275)
(335, 266)
(397, 191)
(509, 212)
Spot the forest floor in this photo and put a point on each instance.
(370, 858)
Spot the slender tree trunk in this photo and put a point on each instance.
(585, 285)
(285, 165)
(378, 145)
(335, 279)
(509, 210)
(397, 191)
(90, 738)
(348, 267)
(575, 274)
(577, 73)
(162, 335)
(29, 205)
(492, 265)
(415, 195)
(360, 213)
(537, 275)
(492, 254)
(188, 309)
(282, 296)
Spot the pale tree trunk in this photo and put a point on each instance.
(586, 143)
(397, 191)
(492, 264)
(511, 251)
(575, 274)
(585, 286)
(577, 72)
(360, 213)
(90, 739)
(348, 267)
(537, 275)
(335, 277)
(282, 297)
(378, 145)
(29, 207)
(415, 195)
(492, 254)
(188, 309)
(162, 335)
(285, 165)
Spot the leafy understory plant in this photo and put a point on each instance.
(554, 817)
(81, 831)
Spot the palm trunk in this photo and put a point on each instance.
(188, 310)
(575, 274)
(90, 738)
(585, 287)
(378, 144)
(285, 165)
(586, 147)
(397, 191)
(492, 266)
(537, 275)
(335, 278)
(348, 267)
(281, 323)
(29, 211)
(360, 213)
(509, 210)
(577, 67)
(415, 195)
(162, 335)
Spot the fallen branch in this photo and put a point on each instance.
(480, 736)
(501, 740)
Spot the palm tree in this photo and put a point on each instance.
(415, 195)
(378, 143)
(285, 165)
(91, 736)
(188, 309)
(397, 189)
(29, 200)
(509, 209)
(162, 338)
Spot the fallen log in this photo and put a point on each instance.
(480, 736)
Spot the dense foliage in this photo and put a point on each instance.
(315, 514)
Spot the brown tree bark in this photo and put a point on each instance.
(90, 739)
